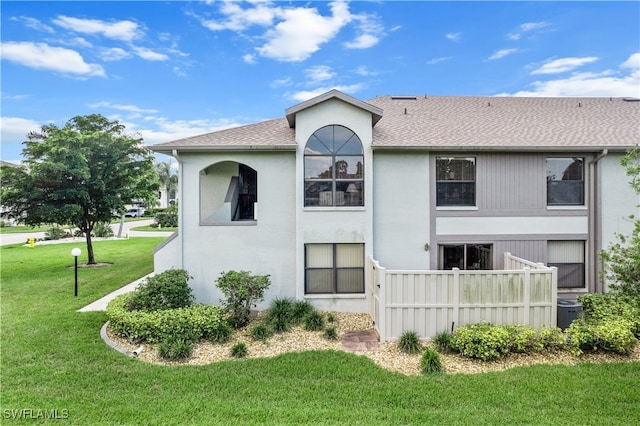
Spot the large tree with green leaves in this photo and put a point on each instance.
(83, 173)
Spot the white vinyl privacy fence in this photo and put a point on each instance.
(429, 302)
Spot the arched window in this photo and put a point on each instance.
(333, 168)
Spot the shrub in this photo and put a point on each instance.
(55, 233)
(157, 326)
(442, 341)
(611, 335)
(239, 350)
(331, 333)
(260, 332)
(280, 314)
(602, 307)
(552, 338)
(301, 309)
(103, 230)
(523, 339)
(409, 342)
(331, 318)
(430, 362)
(220, 334)
(313, 321)
(483, 341)
(168, 218)
(167, 290)
(243, 291)
(176, 348)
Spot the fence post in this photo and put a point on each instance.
(382, 303)
(456, 296)
(554, 297)
(527, 295)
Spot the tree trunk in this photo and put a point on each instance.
(121, 225)
(91, 259)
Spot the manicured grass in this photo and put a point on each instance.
(53, 358)
(152, 229)
(22, 229)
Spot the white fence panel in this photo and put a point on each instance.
(429, 302)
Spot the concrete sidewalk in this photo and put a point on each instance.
(101, 304)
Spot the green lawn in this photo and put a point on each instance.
(22, 229)
(54, 359)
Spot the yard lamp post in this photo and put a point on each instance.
(75, 253)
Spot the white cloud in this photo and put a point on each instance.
(16, 129)
(453, 36)
(34, 24)
(370, 32)
(441, 59)
(122, 107)
(117, 30)
(281, 83)
(249, 58)
(364, 71)
(557, 66)
(622, 83)
(363, 41)
(148, 54)
(238, 19)
(43, 56)
(528, 26)
(502, 53)
(114, 54)
(319, 74)
(302, 32)
(179, 72)
(633, 62)
(304, 95)
(159, 129)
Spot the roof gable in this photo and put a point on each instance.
(290, 113)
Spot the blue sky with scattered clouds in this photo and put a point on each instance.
(172, 69)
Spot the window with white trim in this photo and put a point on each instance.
(334, 268)
(333, 168)
(568, 257)
(455, 181)
(565, 181)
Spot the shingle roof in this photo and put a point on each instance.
(506, 122)
(456, 122)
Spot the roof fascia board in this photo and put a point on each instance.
(170, 149)
(502, 148)
(376, 113)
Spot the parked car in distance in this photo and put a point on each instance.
(134, 212)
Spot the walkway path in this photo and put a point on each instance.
(101, 304)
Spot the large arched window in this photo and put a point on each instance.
(333, 168)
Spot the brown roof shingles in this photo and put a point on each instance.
(450, 123)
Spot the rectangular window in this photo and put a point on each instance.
(455, 181)
(568, 257)
(565, 181)
(334, 268)
(466, 256)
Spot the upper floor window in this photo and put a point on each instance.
(333, 168)
(565, 181)
(455, 181)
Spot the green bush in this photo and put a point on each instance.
(331, 318)
(442, 341)
(300, 310)
(260, 332)
(168, 218)
(409, 342)
(243, 291)
(331, 333)
(280, 314)
(220, 334)
(156, 326)
(176, 348)
(102, 230)
(613, 335)
(603, 307)
(313, 321)
(431, 362)
(483, 341)
(524, 339)
(239, 350)
(55, 233)
(167, 290)
(552, 339)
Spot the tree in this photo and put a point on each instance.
(83, 173)
(168, 179)
(622, 258)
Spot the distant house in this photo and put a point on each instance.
(414, 182)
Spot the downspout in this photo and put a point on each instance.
(595, 231)
(180, 206)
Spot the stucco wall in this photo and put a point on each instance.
(266, 246)
(618, 199)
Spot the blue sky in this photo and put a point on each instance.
(172, 69)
